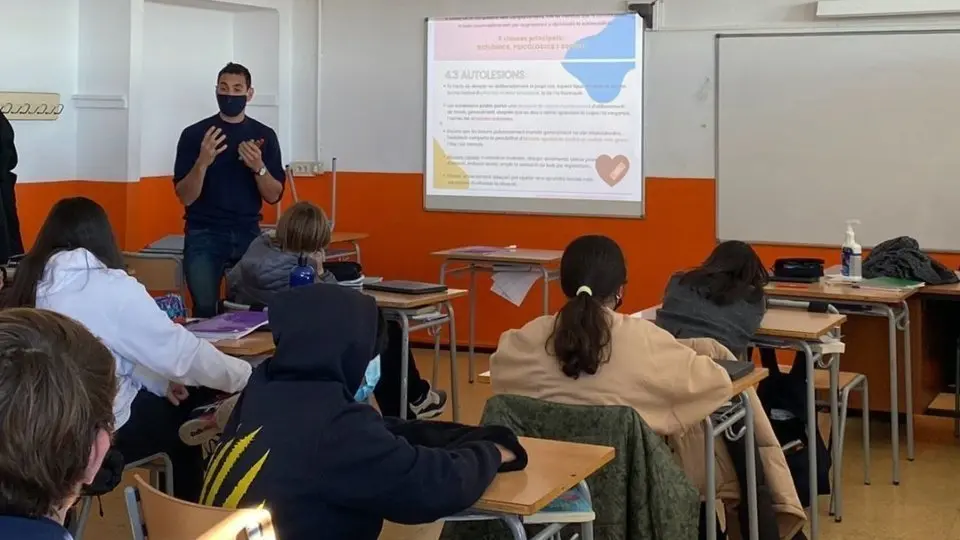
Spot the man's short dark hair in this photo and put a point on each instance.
(236, 69)
(57, 386)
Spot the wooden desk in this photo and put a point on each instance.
(506, 256)
(749, 381)
(837, 292)
(798, 324)
(554, 467)
(897, 308)
(255, 344)
(388, 300)
(339, 237)
(543, 261)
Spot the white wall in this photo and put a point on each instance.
(379, 40)
(183, 49)
(39, 44)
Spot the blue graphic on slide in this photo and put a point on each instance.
(601, 80)
(617, 41)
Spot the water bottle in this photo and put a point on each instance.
(302, 274)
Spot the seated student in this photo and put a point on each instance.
(589, 354)
(301, 442)
(57, 384)
(264, 271)
(721, 299)
(75, 268)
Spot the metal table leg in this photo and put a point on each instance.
(894, 396)
(404, 362)
(811, 441)
(710, 491)
(546, 289)
(473, 321)
(907, 377)
(454, 377)
(754, 532)
(834, 369)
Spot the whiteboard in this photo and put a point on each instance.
(815, 129)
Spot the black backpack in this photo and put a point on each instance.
(787, 392)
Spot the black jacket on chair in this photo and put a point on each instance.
(324, 465)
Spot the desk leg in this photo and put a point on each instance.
(356, 250)
(473, 321)
(754, 532)
(515, 525)
(812, 442)
(404, 363)
(907, 378)
(894, 395)
(835, 453)
(454, 376)
(546, 289)
(710, 493)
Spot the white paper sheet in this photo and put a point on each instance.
(514, 286)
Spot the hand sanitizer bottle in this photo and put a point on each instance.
(852, 254)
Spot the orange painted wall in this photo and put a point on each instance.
(678, 232)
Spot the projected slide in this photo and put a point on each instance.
(537, 108)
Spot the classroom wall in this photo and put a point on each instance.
(374, 197)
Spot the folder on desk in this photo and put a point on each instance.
(406, 287)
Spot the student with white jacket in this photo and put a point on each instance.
(76, 268)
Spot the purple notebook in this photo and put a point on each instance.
(233, 325)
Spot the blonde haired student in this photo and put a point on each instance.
(264, 271)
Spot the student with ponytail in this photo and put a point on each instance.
(589, 354)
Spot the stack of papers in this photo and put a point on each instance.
(233, 325)
(888, 283)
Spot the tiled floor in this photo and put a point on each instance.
(926, 505)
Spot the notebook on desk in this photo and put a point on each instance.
(736, 369)
(406, 287)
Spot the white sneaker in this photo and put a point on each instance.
(431, 406)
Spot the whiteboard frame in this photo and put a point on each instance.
(559, 213)
(800, 32)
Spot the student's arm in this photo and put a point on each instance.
(402, 483)
(148, 337)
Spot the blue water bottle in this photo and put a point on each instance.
(302, 274)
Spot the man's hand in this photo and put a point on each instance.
(176, 393)
(251, 156)
(211, 146)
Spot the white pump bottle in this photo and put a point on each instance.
(852, 254)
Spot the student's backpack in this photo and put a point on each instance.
(784, 400)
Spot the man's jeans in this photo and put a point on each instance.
(206, 255)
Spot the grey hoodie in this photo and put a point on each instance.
(264, 271)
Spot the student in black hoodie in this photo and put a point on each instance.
(301, 443)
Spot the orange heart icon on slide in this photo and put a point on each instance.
(612, 169)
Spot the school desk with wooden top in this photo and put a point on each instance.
(802, 331)
(939, 337)
(492, 260)
(553, 468)
(173, 245)
(861, 347)
(412, 311)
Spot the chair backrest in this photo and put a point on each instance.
(157, 272)
(622, 490)
(158, 516)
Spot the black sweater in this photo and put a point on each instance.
(324, 465)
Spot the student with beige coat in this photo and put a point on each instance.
(589, 354)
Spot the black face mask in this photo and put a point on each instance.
(231, 106)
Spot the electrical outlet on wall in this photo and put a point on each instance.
(307, 168)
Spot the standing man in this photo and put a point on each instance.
(226, 166)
